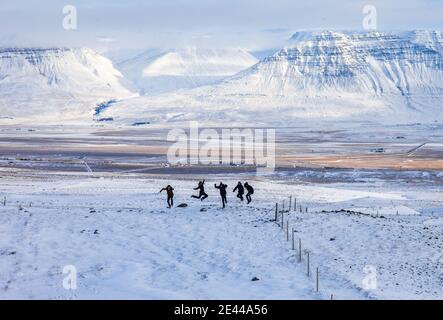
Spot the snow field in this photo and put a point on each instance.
(125, 243)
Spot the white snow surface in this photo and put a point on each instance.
(329, 75)
(388, 77)
(57, 83)
(431, 39)
(125, 243)
(157, 71)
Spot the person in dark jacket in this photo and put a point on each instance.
(240, 190)
(202, 194)
(222, 187)
(250, 192)
(170, 193)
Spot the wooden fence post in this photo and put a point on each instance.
(276, 211)
(307, 263)
(299, 250)
(316, 282)
(295, 204)
(293, 243)
(282, 220)
(290, 203)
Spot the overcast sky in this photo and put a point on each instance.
(252, 24)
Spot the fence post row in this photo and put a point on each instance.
(308, 266)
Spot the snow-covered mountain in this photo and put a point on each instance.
(324, 74)
(429, 38)
(57, 83)
(157, 71)
(389, 77)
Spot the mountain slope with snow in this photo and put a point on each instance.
(163, 71)
(431, 39)
(57, 83)
(318, 75)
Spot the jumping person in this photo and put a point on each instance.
(222, 187)
(250, 192)
(202, 194)
(240, 190)
(170, 193)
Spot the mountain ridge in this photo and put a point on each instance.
(318, 75)
(159, 71)
(324, 75)
(57, 82)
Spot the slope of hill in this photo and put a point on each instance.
(319, 75)
(56, 83)
(429, 38)
(162, 71)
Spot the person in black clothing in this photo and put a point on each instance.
(170, 193)
(250, 192)
(240, 190)
(202, 195)
(222, 187)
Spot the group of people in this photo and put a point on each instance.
(202, 195)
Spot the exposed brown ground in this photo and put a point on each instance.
(110, 150)
(364, 161)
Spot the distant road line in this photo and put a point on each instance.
(88, 168)
(411, 152)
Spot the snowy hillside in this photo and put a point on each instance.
(157, 71)
(124, 243)
(56, 83)
(429, 38)
(327, 75)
